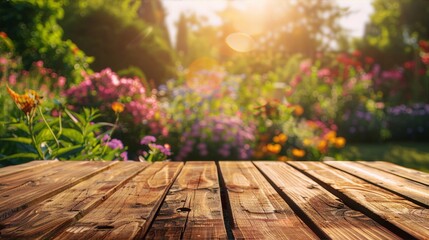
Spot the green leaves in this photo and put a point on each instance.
(79, 138)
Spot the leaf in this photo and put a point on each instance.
(72, 134)
(21, 155)
(18, 140)
(67, 152)
(19, 126)
(44, 135)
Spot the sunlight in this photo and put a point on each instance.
(204, 75)
(240, 42)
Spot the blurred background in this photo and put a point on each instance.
(216, 80)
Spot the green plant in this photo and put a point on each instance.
(63, 135)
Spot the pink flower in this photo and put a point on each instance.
(61, 81)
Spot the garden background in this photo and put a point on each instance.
(282, 82)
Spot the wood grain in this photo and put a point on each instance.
(405, 187)
(325, 210)
(5, 171)
(128, 212)
(401, 214)
(408, 173)
(258, 210)
(46, 184)
(12, 180)
(192, 208)
(44, 219)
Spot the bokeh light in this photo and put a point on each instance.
(204, 75)
(240, 42)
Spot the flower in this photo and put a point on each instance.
(115, 144)
(339, 142)
(117, 107)
(322, 146)
(274, 148)
(298, 153)
(330, 135)
(298, 110)
(3, 35)
(281, 138)
(27, 102)
(147, 139)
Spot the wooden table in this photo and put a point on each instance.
(213, 200)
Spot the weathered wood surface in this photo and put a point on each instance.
(46, 218)
(335, 219)
(192, 208)
(397, 212)
(408, 173)
(258, 211)
(209, 200)
(128, 213)
(5, 171)
(50, 182)
(410, 189)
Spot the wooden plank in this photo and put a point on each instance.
(404, 172)
(414, 191)
(258, 211)
(10, 180)
(44, 219)
(405, 218)
(47, 184)
(127, 214)
(192, 208)
(335, 219)
(6, 171)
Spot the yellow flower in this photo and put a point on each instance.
(274, 148)
(27, 102)
(306, 142)
(298, 153)
(117, 107)
(281, 138)
(339, 142)
(298, 111)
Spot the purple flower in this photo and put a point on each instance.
(115, 144)
(147, 139)
(124, 156)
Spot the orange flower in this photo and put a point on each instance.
(281, 138)
(330, 135)
(298, 111)
(27, 102)
(339, 142)
(3, 35)
(117, 107)
(282, 158)
(274, 148)
(298, 153)
(322, 146)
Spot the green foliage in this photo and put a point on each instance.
(119, 39)
(70, 136)
(32, 25)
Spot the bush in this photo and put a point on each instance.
(33, 27)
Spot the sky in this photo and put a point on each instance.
(355, 22)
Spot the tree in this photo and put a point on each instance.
(394, 30)
(182, 36)
(33, 27)
(152, 12)
(118, 38)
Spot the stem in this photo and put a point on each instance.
(49, 127)
(110, 136)
(33, 139)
